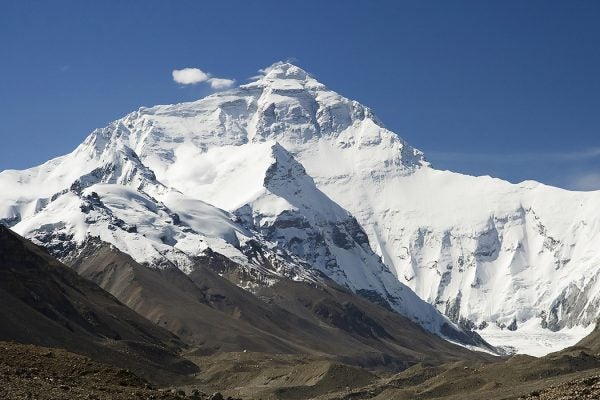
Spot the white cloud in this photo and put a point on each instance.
(221, 83)
(190, 76)
(586, 181)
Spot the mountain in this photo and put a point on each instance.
(178, 229)
(280, 225)
(288, 179)
(320, 320)
(309, 337)
(43, 302)
(485, 252)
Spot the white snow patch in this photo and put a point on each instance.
(531, 339)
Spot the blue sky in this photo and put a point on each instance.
(503, 88)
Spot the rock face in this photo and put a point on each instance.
(322, 188)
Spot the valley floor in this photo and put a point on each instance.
(32, 372)
(253, 376)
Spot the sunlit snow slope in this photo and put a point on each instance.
(318, 177)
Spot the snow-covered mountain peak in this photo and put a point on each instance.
(285, 105)
(284, 75)
(285, 70)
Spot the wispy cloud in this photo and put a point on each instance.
(221, 83)
(585, 181)
(574, 170)
(192, 76)
(585, 154)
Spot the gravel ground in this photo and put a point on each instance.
(32, 372)
(586, 388)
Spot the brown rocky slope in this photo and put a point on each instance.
(45, 303)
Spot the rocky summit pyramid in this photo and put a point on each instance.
(287, 179)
